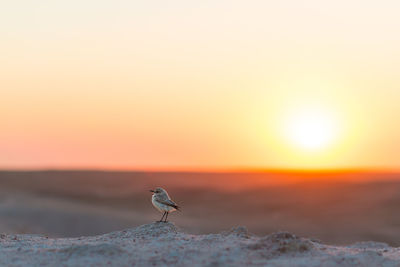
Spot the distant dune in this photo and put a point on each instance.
(163, 244)
(335, 207)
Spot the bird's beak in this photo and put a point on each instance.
(152, 191)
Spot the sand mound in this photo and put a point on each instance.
(281, 243)
(163, 244)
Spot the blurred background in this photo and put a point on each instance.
(194, 93)
(335, 207)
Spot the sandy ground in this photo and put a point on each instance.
(163, 244)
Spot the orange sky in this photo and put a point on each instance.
(198, 84)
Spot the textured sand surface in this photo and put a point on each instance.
(163, 244)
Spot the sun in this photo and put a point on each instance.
(311, 129)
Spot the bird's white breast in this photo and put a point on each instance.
(161, 207)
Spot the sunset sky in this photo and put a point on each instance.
(205, 85)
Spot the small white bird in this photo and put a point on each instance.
(163, 202)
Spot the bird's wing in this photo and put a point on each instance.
(168, 202)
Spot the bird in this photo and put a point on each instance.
(163, 203)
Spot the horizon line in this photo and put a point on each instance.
(208, 170)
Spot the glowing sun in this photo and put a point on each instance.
(311, 129)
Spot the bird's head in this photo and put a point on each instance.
(158, 191)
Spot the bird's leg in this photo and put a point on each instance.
(162, 216)
(165, 220)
